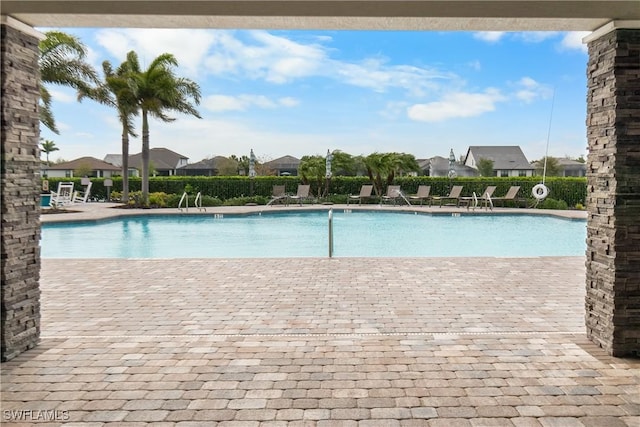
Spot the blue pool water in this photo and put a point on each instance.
(305, 234)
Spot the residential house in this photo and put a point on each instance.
(284, 166)
(116, 159)
(508, 160)
(162, 161)
(206, 167)
(87, 166)
(572, 167)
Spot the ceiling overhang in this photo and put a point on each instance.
(449, 15)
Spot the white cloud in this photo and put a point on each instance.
(455, 105)
(62, 95)
(489, 36)
(528, 90)
(536, 36)
(573, 41)
(219, 103)
(189, 46)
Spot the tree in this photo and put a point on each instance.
(115, 92)
(312, 169)
(62, 62)
(485, 167)
(382, 168)
(156, 91)
(48, 147)
(227, 166)
(553, 167)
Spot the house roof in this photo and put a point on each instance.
(84, 162)
(285, 162)
(162, 158)
(504, 157)
(210, 164)
(114, 159)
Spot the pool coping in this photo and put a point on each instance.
(106, 211)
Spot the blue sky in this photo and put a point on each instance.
(303, 92)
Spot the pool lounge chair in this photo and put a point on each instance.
(483, 199)
(454, 196)
(365, 193)
(393, 194)
(422, 194)
(62, 197)
(511, 196)
(277, 195)
(301, 195)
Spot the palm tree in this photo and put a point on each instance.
(156, 91)
(383, 167)
(48, 147)
(115, 92)
(62, 61)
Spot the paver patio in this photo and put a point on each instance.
(326, 342)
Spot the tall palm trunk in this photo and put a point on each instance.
(125, 164)
(145, 158)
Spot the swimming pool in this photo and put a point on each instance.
(305, 234)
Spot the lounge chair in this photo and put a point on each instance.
(365, 193)
(480, 199)
(422, 194)
(511, 196)
(393, 194)
(301, 195)
(62, 197)
(82, 196)
(454, 196)
(278, 194)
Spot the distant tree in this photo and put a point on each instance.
(227, 166)
(485, 167)
(581, 159)
(345, 164)
(242, 164)
(61, 62)
(83, 170)
(382, 168)
(47, 147)
(553, 167)
(312, 170)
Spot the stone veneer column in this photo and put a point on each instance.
(613, 194)
(20, 186)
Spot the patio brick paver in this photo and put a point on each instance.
(326, 342)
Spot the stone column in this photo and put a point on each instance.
(613, 194)
(20, 186)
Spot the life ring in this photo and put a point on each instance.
(540, 191)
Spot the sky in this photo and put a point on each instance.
(305, 92)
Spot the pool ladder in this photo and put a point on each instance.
(197, 203)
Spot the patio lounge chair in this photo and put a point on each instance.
(454, 196)
(483, 199)
(82, 196)
(365, 193)
(511, 196)
(301, 195)
(62, 197)
(393, 194)
(277, 195)
(422, 194)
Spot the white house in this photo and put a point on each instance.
(89, 166)
(508, 160)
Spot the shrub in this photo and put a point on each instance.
(553, 204)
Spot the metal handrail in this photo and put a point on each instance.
(185, 198)
(330, 233)
(198, 202)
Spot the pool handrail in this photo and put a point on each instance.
(185, 197)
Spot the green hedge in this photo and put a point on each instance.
(570, 190)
